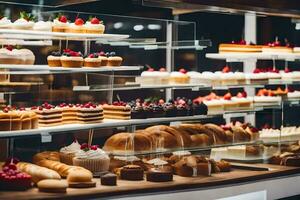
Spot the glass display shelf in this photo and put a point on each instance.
(240, 57)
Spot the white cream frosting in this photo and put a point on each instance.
(42, 26)
(127, 158)
(155, 74)
(89, 25)
(5, 23)
(91, 154)
(72, 148)
(178, 74)
(56, 22)
(23, 24)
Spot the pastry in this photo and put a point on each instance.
(67, 153)
(120, 161)
(122, 142)
(60, 24)
(25, 22)
(92, 60)
(10, 120)
(9, 55)
(69, 113)
(94, 26)
(12, 179)
(220, 136)
(43, 26)
(224, 166)
(109, 179)
(92, 158)
(25, 120)
(114, 60)
(152, 77)
(77, 26)
(28, 56)
(239, 47)
(89, 113)
(286, 159)
(71, 59)
(48, 114)
(276, 47)
(118, 110)
(132, 173)
(77, 175)
(159, 174)
(53, 186)
(103, 57)
(5, 22)
(179, 77)
(54, 59)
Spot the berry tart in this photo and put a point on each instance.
(25, 22)
(92, 61)
(71, 59)
(137, 110)
(12, 179)
(92, 158)
(77, 26)
(60, 24)
(54, 59)
(114, 60)
(118, 110)
(94, 26)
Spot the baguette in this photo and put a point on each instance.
(37, 173)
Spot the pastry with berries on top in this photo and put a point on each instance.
(92, 60)
(10, 119)
(48, 115)
(179, 77)
(239, 47)
(277, 48)
(12, 179)
(71, 59)
(89, 113)
(118, 110)
(69, 113)
(113, 60)
(103, 57)
(60, 24)
(54, 59)
(92, 158)
(25, 22)
(94, 26)
(77, 26)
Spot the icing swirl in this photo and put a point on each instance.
(91, 154)
(72, 148)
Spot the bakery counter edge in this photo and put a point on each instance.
(140, 187)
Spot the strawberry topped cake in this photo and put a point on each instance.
(118, 110)
(276, 47)
(257, 77)
(266, 97)
(71, 59)
(179, 77)
(48, 115)
(243, 101)
(92, 60)
(228, 103)
(239, 47)
(26, 21)
(288, 75)
(60, 24)
(214, 103)
(94, 26)
(5, 22)
(89, 113)
(152, 77)
(77, 26)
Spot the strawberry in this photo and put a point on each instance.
(227, 96)
(79, 22)
(63, 19)
(287, 70)
(226, 69)
(95, 20)
(162, 69)
(239, 95)
(84, 146)
(94, 147)
(182, 70)
(256, 71)
(161, 101)
(244, 93)
(150, 70)
(242, 42)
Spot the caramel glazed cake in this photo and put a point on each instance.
(237, 48)
(90, 113)
(114, 111)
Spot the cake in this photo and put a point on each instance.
(43, 26)
(228, 103)
(54, 59)
(293, 95)
(71, 59)
(239, 47)
(12, 179)
(179, 77)
(257, 77)
(92, 61)
(214, 106)
(211, 78)
(114, 60)
(5, 22)
(48, 115)
(10, 120)
(89, 113)
(67, 153)
(159, 174)
(296, 50)
(28, 56)
(151, 77)
(103, 57)
(8, 55)
(92, 158)
(291, 133)
(69, 113)
(266, 97)
(25, 119)
(94, 26)
(243, 101)
(25, 22)
(118, 110)
(277, 48)
(288, 75)
(109, 179)
(227, 77)
(60, 24)
(195, 77)
(77, 26)
(132, 173)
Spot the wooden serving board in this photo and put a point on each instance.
(82, 185)
(138, 187)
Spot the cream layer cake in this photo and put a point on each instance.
(69, 113)
(48, 115)
(90, 113)
(285, 134)
(118, 110)
(239, 48)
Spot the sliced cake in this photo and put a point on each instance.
(118, 110)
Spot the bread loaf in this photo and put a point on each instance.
(38, 173)
(219, 133)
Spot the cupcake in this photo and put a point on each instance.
(8, 56)
(67, 153)
(94, 26)
(92, 158)
(28, 56)
(54, 59)
(92, 61)
(103, 57)
(71, 59)
(77, 26)
(114, 60)
(60, 24)
(25, 22)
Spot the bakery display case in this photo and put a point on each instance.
(88, 112)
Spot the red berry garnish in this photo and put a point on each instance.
(95, 20)
(182, 70)
(79, 22)
(287, 70)
(84, 146)
(162, 69)
(150, 70)
(256, 71)
(63, 19)
(242, 42)
(226, 69)
(227, 96)
(94, 147)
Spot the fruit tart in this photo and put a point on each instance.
(60, 24)
(71, 59)
(94, 26)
